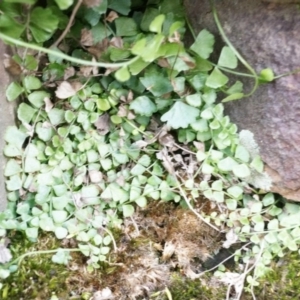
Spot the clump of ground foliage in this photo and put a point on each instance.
(125, 179)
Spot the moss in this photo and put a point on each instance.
(37, 277)
(182, 288)
(283, 282)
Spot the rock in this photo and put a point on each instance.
(7, 117)
(267, 35)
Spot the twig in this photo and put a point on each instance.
(74, 12)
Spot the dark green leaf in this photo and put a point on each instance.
(156, 82)
(126, 26)
(122, 7)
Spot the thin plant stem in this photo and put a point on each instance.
(79, 61)
(20, 258)
(237, 54)
(72, 17)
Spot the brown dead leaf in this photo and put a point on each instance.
(166, 160)
(188, 60)
(199, 146)
(48, 104)
(102, 124)
(165, 138)
(65, 90)
(116, 42)
(123, 111)
(86, 38)
(69, 72)
(86, 71)
(109, 71)
(111, 16)
(98, 49)
(163, 62)
(92, 3)
(11, 66)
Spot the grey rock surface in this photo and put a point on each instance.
(7, 117)
(267, 35)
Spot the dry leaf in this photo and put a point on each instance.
(166, 139)
(102, 124)
(122, 112)
(231, 238)
(11, 66)
(169, 250)
(65, 90)
(92, 3)
(30, 129)
(104, 294)
(86, 71)
(86, 38)
(110, 70)
(140, 144)
(111, 16)
(98, 49)
(95, 176)
(48, 104)
(116, 42)
(163, 62)
(5, 255)
(166, 160)
(199, 146)
(69, 72)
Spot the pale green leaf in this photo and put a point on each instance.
(143, 106)
(242, 153)
(59, 216)
(257, 164)
(13, 91)
(122, 74)
(156, 24)
(204, 43)
(47, 224)
(194, 100)
(180, 115)
(12, 168)
(227, 164)
(216, 79)
(26, 112)
(61, 232)
(235, 191)
(64, 4)
(31, 83)
(227, 58)
(56, 116)
(232, 97)
(37, 98)
(241, 171)
(268, 199)
(141, 201)
(128, 210)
